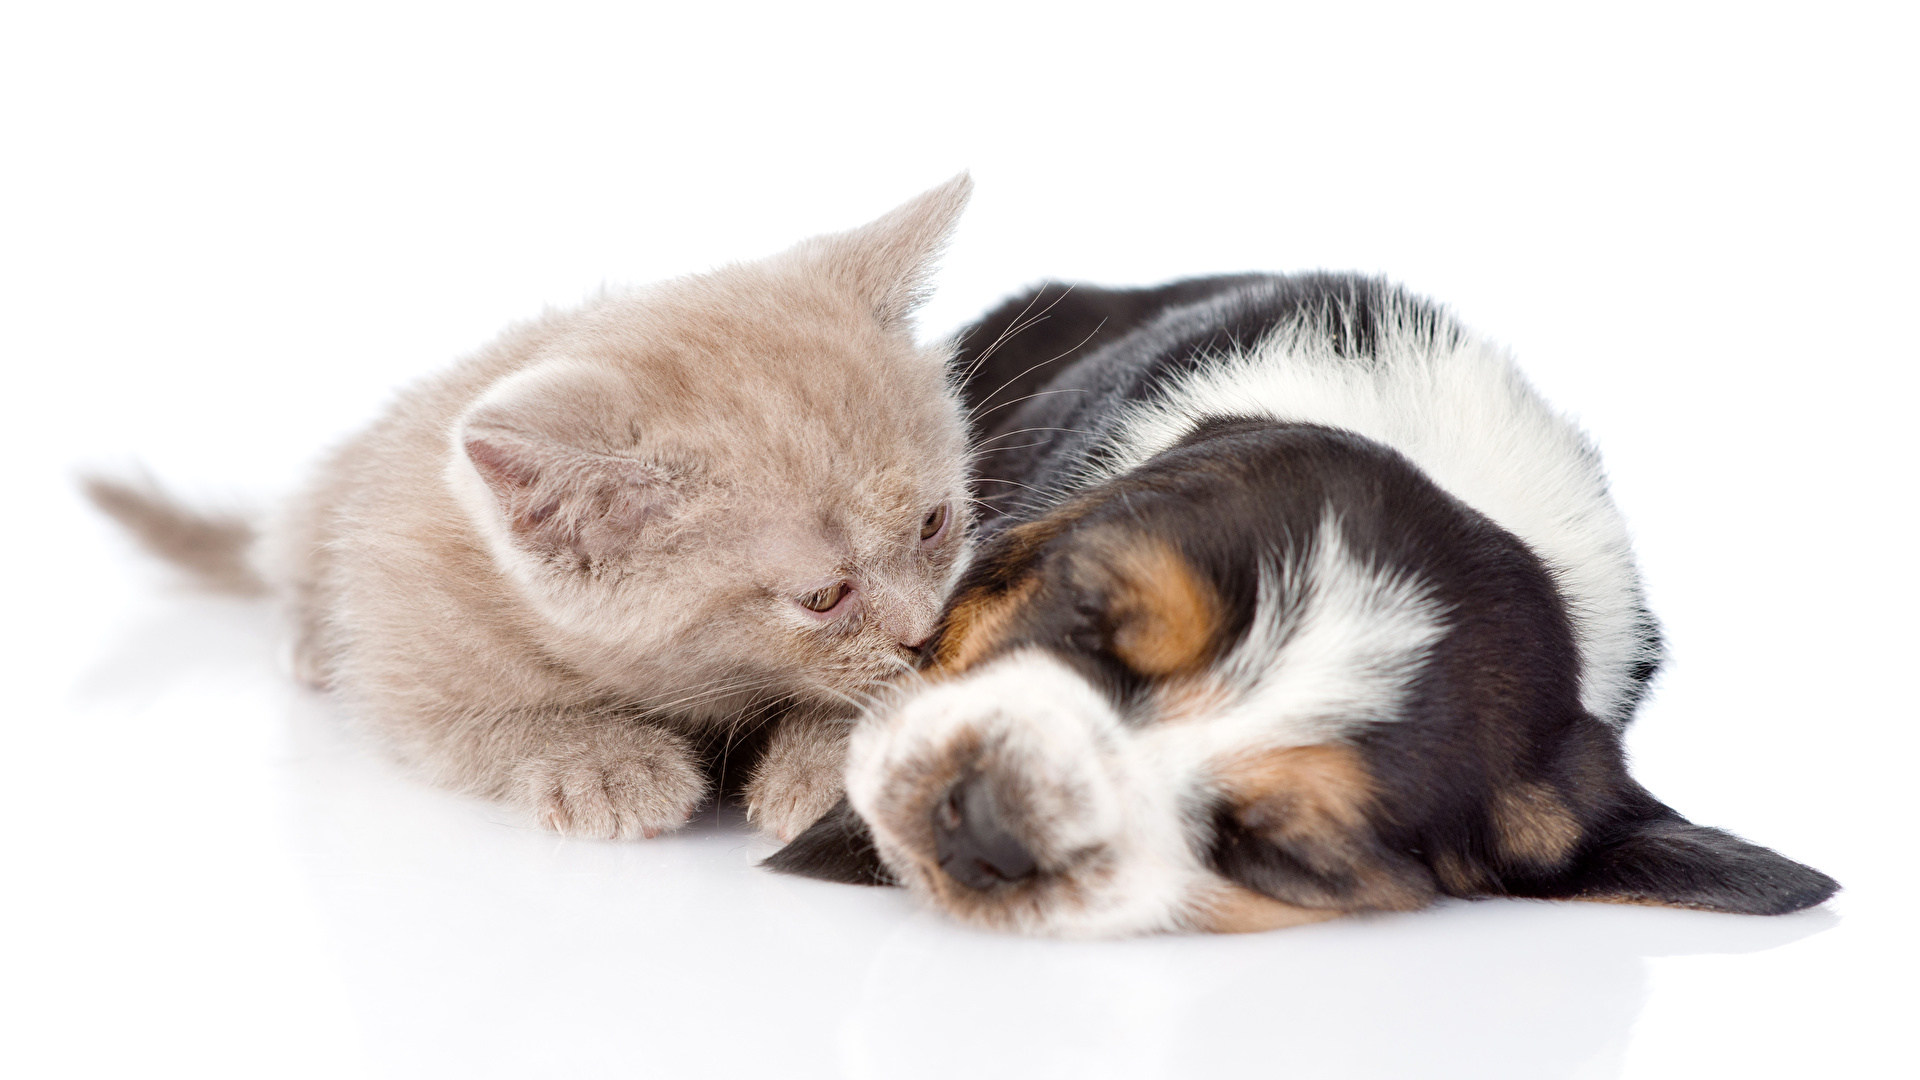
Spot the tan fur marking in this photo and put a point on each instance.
(1308, 792)
(1459, 876)
(1314, 801)
(1166, 615)
(1643, 901)
(976, 624)
(1634, 901)
(1167, 618)
(1534, 826)
(1025, 540)
(1238, 910)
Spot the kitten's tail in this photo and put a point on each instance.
(210, 546)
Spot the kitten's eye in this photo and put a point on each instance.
(934, 525)
(824, 600)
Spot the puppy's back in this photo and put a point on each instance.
(1345, 352)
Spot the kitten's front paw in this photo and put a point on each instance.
(799, 778)
(625, 784)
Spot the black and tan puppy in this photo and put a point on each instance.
(1294, 600)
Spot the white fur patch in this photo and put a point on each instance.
(1462, 412)
(1072, 749)
(1334, 644)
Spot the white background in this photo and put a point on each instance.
(228, 233)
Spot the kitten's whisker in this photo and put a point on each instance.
(1015, 483)
(1011, 332)
(888, 691)
(699, 697)
(1038, 366)
(842, 697)
(753, 717)
(1024, 430)
(716, 688)
(1029, 397)
(740, 727)
(1020, 324)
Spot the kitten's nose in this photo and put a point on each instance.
(974, 846)
(921, 654)
(910, 632)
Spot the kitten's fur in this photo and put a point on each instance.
(561, 571)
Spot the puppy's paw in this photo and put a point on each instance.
(799, 778)
(620, 784)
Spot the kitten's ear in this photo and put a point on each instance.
(552, 497)
(889, 262)
(1671, 862)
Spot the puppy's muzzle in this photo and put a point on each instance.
(972, 841)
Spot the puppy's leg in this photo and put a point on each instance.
(801, 774)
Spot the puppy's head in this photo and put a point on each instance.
(1273, 676)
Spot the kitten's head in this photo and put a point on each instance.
(751, 476)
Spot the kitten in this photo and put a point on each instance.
(560, 572)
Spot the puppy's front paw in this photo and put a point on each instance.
(623, 783)
(799, 778)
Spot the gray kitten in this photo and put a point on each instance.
(553, 573)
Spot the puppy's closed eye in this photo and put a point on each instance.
(1301, 833)
(1159, 615)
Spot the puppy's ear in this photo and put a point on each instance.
(888, 262)
(838, 847)
(1669, 861)
(1297, 829)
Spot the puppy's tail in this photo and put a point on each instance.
(212, 547)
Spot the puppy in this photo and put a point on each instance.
(1294, 600)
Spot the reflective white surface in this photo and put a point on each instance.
(218, 878)
(230, 234)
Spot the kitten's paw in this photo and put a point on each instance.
(640, 783)
(307, 666)
(799, 778)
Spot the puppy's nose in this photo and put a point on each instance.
(974, 847)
